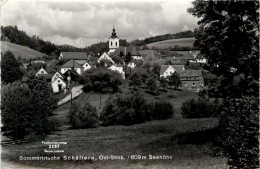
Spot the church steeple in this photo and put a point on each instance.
(113, 41)
(114, 33)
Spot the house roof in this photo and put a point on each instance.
(190, 73)
(150, 55)
(59, 73)
(200, 56)
(59, 79)
(125, 50)
(70, 64)
(177, 68)
(174, 61)
(75, 55)
(81, 62)
(160, 62)
(46, 76)
(72, 72)
(187, 56)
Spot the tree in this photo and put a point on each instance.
(23, 113)
(174, 80)
(163, 82)
(228, 36)
(152, 84)
(128, 57)
(135, 80)
(83, 116)
(10, 68)
(124, 109)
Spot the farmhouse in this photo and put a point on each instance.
(200, 58)
(167, 70)
(71, 64)
(42, 71)
(58, 84)
(192, 79)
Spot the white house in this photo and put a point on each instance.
(71, 64)
(105, 57)
(200, 58)
(58, 85)
(56, 76)
(42, 71)
(167, 70)
(131, 65)
(86, 66)
(119, 69)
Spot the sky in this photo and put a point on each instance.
(82, 23)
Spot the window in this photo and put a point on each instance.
(42, 71)
(111, 43)
(193, 84)
(59, 81)
(116, 43)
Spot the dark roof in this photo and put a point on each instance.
(139, 70)
(125, 50)
(72, 72)
(160, 62)
(200, 56)
(187, 56)
(113, 33)
(190, 73)
(150, 55)
(174, 61)
(51, 65)
(70, 64)
(75, 55)
(92, 60)
(46, 76)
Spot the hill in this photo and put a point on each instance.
(18, 50)
(182, 42)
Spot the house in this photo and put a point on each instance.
(72, 73)
(104, 57)
(134, 62)
(119, 69)
(74, 55)
(192, 79)
(42, 71)
(149, 55)
(175, 61)
(37, 62)
(71, 64)
(167, 70)
(58, 85)
(84, 64)
(56, 76)
(200, 58)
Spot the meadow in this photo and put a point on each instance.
(172, 42)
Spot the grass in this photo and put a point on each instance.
(151, 138)
(172, 42)
(19, 50)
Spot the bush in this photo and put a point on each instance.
(200, 108)
(124, 109)
(83, 116)
(162, 110)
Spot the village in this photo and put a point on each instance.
(141, 61)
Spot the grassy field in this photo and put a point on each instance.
(19, 50)
(172, 42)
(151, 138)
(183, 139)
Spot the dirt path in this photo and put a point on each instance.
(76, 91)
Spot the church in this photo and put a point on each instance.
(116, 50)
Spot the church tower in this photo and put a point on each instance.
(113, 41)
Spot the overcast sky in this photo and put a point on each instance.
(82, 23)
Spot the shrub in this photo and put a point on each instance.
(83, 116)
(200, 108)
(124, 109)
(162, 110)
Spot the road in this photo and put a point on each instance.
(76, 91)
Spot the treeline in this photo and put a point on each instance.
(185, 34)
(14, 35)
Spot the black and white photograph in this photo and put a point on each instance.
(129, 84)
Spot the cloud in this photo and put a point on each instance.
(83, 23)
